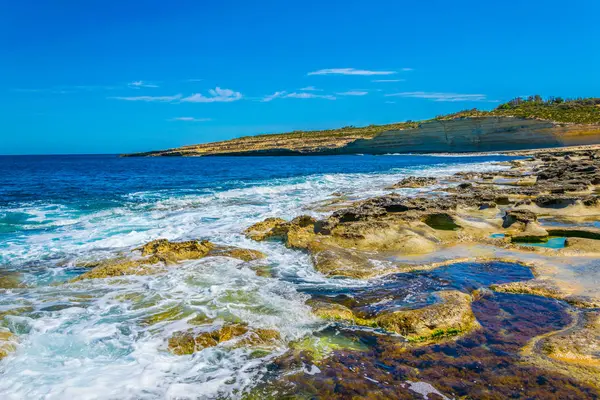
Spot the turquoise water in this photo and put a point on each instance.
(89, 339)
(552, 243)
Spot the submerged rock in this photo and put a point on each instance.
(113, 268)
(10, 280)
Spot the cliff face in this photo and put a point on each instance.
(476, 134)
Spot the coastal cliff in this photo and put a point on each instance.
(517, 125)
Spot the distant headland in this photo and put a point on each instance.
(520, 124)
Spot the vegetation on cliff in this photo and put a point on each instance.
(556, 109)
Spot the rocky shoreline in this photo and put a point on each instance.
(510, 216)
(526, 238)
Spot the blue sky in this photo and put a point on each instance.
(121, 76)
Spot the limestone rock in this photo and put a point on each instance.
(265, 229)
(172, 252)
(414, 182)
(183, 343)
(8, 342)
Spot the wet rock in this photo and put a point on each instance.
(158, 254)
(414, 182)
(296, 233)
(236, 252)
(185, 343)
(8, 342)
(172, 252)
(580, 346)
(451, 316)
(265, 229)
(113, 268)
(174, 313)
(10, 280)
(545, 288)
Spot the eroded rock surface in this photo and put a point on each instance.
(155, 256)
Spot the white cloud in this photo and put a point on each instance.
(438, 96)
(390, 102)
(304, 95)
(215, 95)
(163, 99)
(387, 80)
(407, 69)
(194, 80)
(311, 89)
(191, 119)
(349, 71)
(353, 93)
(296, 95)
(274, 96)
(141, 84)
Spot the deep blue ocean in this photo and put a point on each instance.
(81, 339)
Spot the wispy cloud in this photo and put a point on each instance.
(387, 80)
(390, 102)
(190, 119)
(407, 69)
(216, 95)
(439, 96)
(296, 95)
(353, 93)
(311, 89)
(141, 84)
(349, 71)
(194, 80)
(160, 99)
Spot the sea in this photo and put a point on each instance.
(92, 339)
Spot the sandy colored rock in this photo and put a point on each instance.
(264, 230)
(451, 316)
(172, 252)
(580, 346)
(545, 288)
(414, 182)
(10, 280)
(183, 343)
(110, 268)
(8, 342)
(236, 252)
